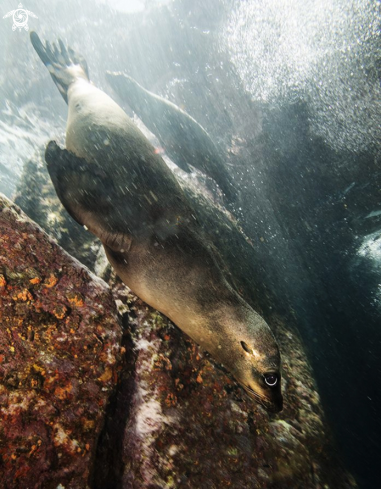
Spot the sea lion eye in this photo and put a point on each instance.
(246, 347)
(271, 379)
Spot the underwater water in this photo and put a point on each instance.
(289, 91)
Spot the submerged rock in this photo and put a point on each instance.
(60, 352)
(189, 425)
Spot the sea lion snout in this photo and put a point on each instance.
(273, 405)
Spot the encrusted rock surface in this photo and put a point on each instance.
(189, 425)
(60, 352)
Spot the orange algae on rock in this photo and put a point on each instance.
(51, 281)
(75, 299)
(60, 311)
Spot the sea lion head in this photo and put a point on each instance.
(258, 369)
(248, 349)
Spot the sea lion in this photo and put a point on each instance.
(184, 140)
(111, 180)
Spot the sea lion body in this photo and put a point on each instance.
(184, 140)
(112, 181)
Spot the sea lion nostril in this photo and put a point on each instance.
(246, 347)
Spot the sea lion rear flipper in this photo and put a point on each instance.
(82, 189)
(64, 64)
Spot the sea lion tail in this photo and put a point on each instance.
(63, 63)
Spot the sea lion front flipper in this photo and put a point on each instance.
(124, 193)
(83, 189)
